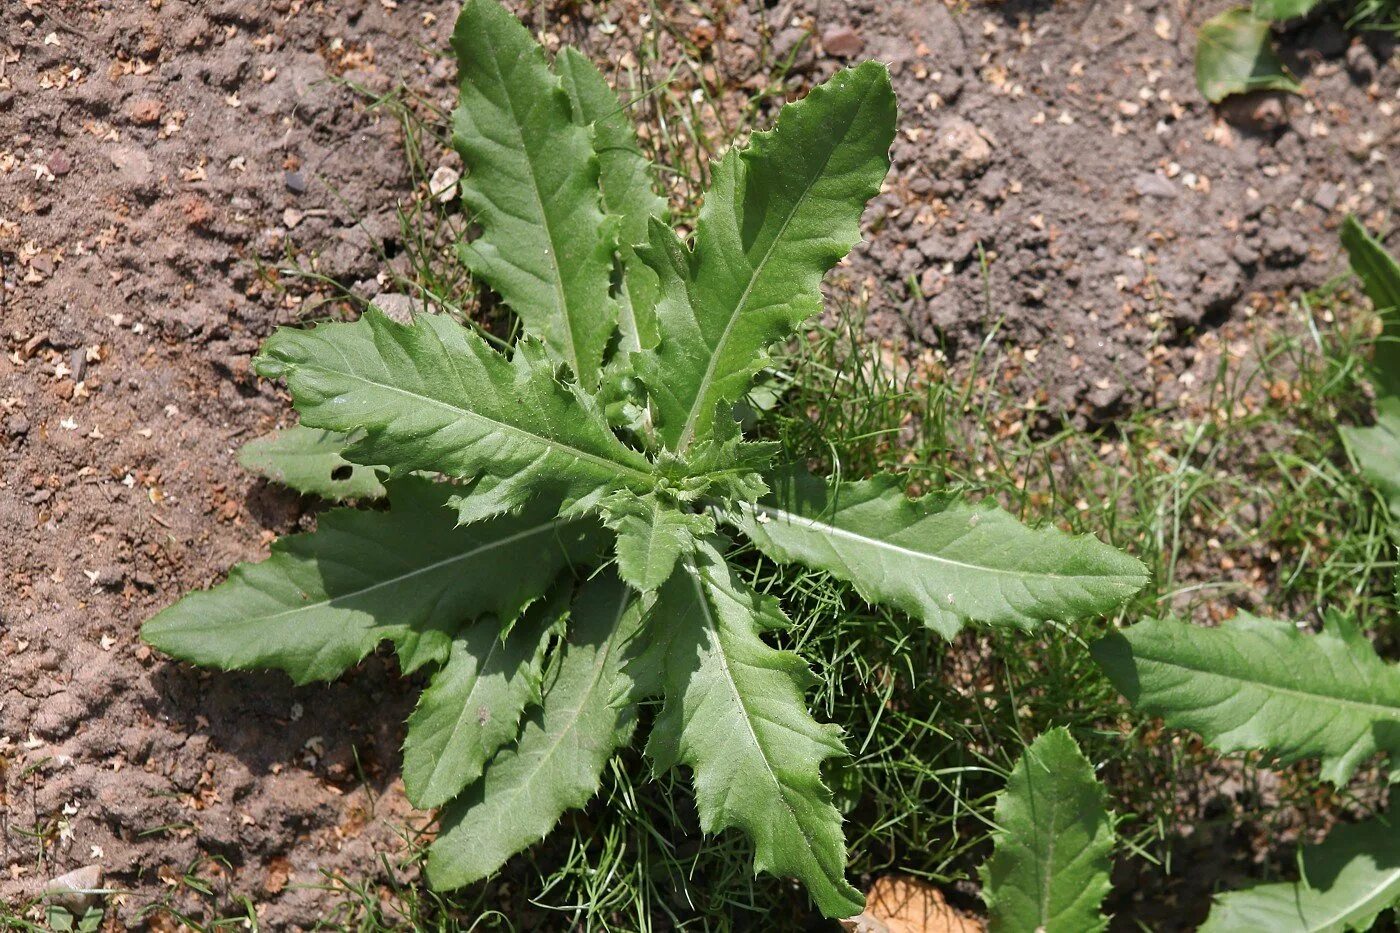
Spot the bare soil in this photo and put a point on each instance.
(158, 158)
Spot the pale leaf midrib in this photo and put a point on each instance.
(558, 280)
(823, 527)
(1370, 896)
(417, 571)
(1383, 711)
(549, 442)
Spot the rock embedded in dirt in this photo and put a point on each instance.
(1258, 112)
(960, 150)
(295, 182)
(144, 111)
(400, 308)
(73, 891)
(1283, 248)
(58, 163)
(1154, 185)
(843, 42)
(132, 163)
(1361, 62)
(17, 425)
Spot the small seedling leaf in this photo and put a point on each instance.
(1050, 868)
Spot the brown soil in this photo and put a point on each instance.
(154, 155)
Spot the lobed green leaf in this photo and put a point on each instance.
(532, 185)
(557, 763)
(472, 706)
(1054, 837)
(324, 600)
(778, 215)
(626, 182)
(1257, 683)
(434, 396)
(651, 536)
(733, 710)
(936, 558)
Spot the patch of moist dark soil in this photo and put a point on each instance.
(154, 156)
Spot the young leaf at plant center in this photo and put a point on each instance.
(1235, 54)
(474, 703)
(1256, 683)
(778, 215)
(434, 396)
(625, 178)
(309, 461)
(556, 765)
(935, 557)
(324, 600)
(532, 185)
(1347, 881)
(734, 711)
(1050, 869)
(651, 536)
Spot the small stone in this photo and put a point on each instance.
(443, 184)
(59, 163)
(1260, 111)
(1326, 196)
(295, 182)
(1361, 63)
(842, 42)
(144, 111)
(77, 362)
(132, 164)
(960, 149)
(399, 308)
(17, 425)
(109, 578)
(1154, 185)
(77, 890)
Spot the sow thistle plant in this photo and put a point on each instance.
(551, 546)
